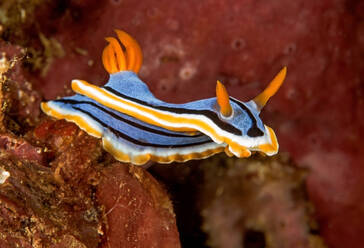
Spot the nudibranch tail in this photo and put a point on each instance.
(222, 98)
(271, 89)
(118, 57)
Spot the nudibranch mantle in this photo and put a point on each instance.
(128, 139)
(206, 127)
(242, 132)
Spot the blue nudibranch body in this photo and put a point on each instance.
(137, 127)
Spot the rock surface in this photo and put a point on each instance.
(138, 211)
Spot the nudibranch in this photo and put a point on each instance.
(137, 127)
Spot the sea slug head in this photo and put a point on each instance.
(248, 129)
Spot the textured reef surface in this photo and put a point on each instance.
(64, 190)
(59, 188)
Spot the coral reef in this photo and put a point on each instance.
(38, 208)
(57, 184)
(20, 103)
(187, 45)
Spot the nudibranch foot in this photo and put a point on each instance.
(239, 151)
(272, 147)
(228, 152)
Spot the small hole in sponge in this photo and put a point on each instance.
(238, 44)
(165, 85)
(116, 2)
(254, 239)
